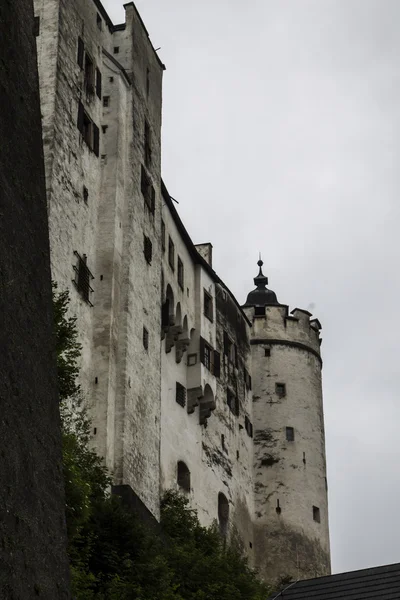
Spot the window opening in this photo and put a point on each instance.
(280, 389)
(223, 514)
(180, 394)
(259, 311)
(180, 273)
(267, 352)
(116, 49)
(85, 194)
(106, 101)
(171, 254)
(89, 75)
(278, 508)
(147, 249)
(82, 278)
(208, 306)
(163, 236)
(183, 476)
(147, 190)
(316, 514)
(290, 434)
(145, 338)
(36, 27)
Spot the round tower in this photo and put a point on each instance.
(291, 530)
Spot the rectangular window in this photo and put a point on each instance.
(171, 254)
(267, 352)
(106, 101)
(147, 144)
(88, 129)
(163, 236)
(89, 82)
(82, 278)
(247, 379)
(99, 22)
(85, 194)
(316, 514)
(81, 52)
(36, 27)
(147, 81)
(248, 426)
(207, 357)
(259, 311)
(232, 401)
(98, 83)
(147, 190)
(147, 249)
(180, 394)
(116, 49)
(280, 389)
(180, 273)
(145, 338)
(290, 434)
(208, 306)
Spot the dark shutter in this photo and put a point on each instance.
(81, 51)
(81, 114)
(98, 83)
(96, 139)
(217, 364)
(202, 345)
(236, 356)
(165, 314)
(226, 343)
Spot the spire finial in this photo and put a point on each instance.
(260, 281)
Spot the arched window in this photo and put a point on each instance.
(183, 476)
(223, 513)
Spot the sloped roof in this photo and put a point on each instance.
(377, 582)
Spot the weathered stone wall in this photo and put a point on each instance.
(33, 560)
(289, 475)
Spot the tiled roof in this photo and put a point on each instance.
(378, 582)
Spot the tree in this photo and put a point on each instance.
(114, 556)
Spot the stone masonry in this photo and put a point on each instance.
(179, 394)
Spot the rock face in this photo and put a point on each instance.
(33, 559)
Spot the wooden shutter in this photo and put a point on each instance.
(81, 52)
(81, 113)
(202, 345)
(96, 139)
(98, 83)
(217, 364)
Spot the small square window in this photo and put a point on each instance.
(316, 514)
(290, 434)
(180, 394)
(180, 273)
(116, 49)
(147, 249)
(145, 338)
(104, 128)
(208, 306)
(106, 101)
(259, 311)
(280, 389)
(85, 194)
(171, 254)
(267, 352)
(192, 360)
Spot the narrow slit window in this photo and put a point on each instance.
(145, 338)
(171, 254)
(316, 514)
(180, 273)
(147, 249)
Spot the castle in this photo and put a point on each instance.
(186, 388)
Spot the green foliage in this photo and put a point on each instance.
(115, 556)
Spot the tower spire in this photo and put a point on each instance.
(261, 281)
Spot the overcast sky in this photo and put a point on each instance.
(281, 133)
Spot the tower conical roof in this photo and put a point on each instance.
(261, 296)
